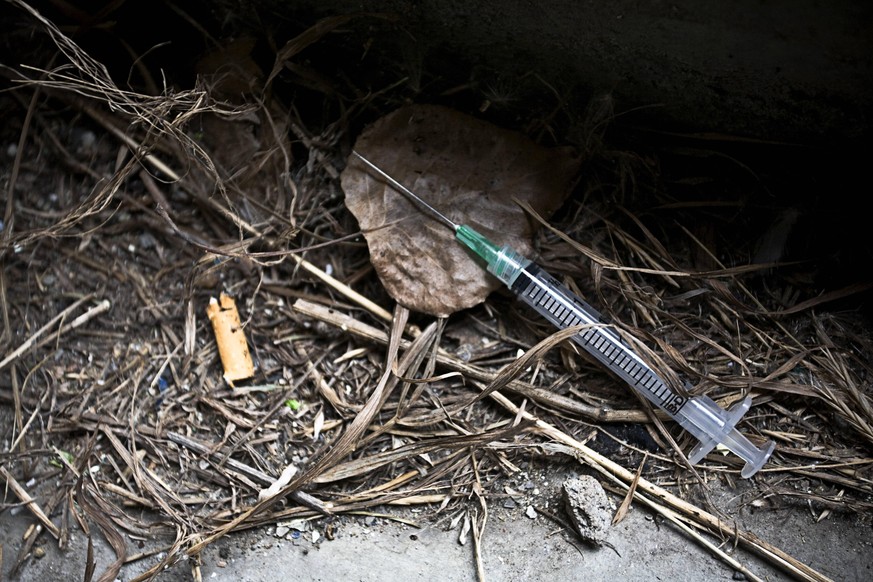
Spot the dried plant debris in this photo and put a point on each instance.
(112, 405)
(472, 172)
(251, 148)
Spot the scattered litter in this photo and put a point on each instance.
(163, 385)
(415, 426)
(232, 346)
(277, 485)
(464, 534)
(295, 524)
(317, 425)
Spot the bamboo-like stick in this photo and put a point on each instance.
(200, 448)
(29, 343)
(343, 288)
(594, 413)
(29, 501)
(623, 477)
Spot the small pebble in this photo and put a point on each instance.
(39, 553)
(588, 507)
(531, 512)
(221, 564)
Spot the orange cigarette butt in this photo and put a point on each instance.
(232, 347)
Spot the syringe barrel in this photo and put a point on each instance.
(564, 309)
(700, 415)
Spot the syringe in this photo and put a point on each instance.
(699, 415)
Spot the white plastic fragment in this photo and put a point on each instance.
(277, 485)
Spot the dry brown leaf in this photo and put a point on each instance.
(468, 169)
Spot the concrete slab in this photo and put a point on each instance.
(514, 547)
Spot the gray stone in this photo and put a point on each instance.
(588, 507)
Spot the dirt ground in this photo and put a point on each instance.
(514, 546)
(127, 207)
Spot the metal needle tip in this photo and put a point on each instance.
(408, 193)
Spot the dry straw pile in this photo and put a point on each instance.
(126, 211)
